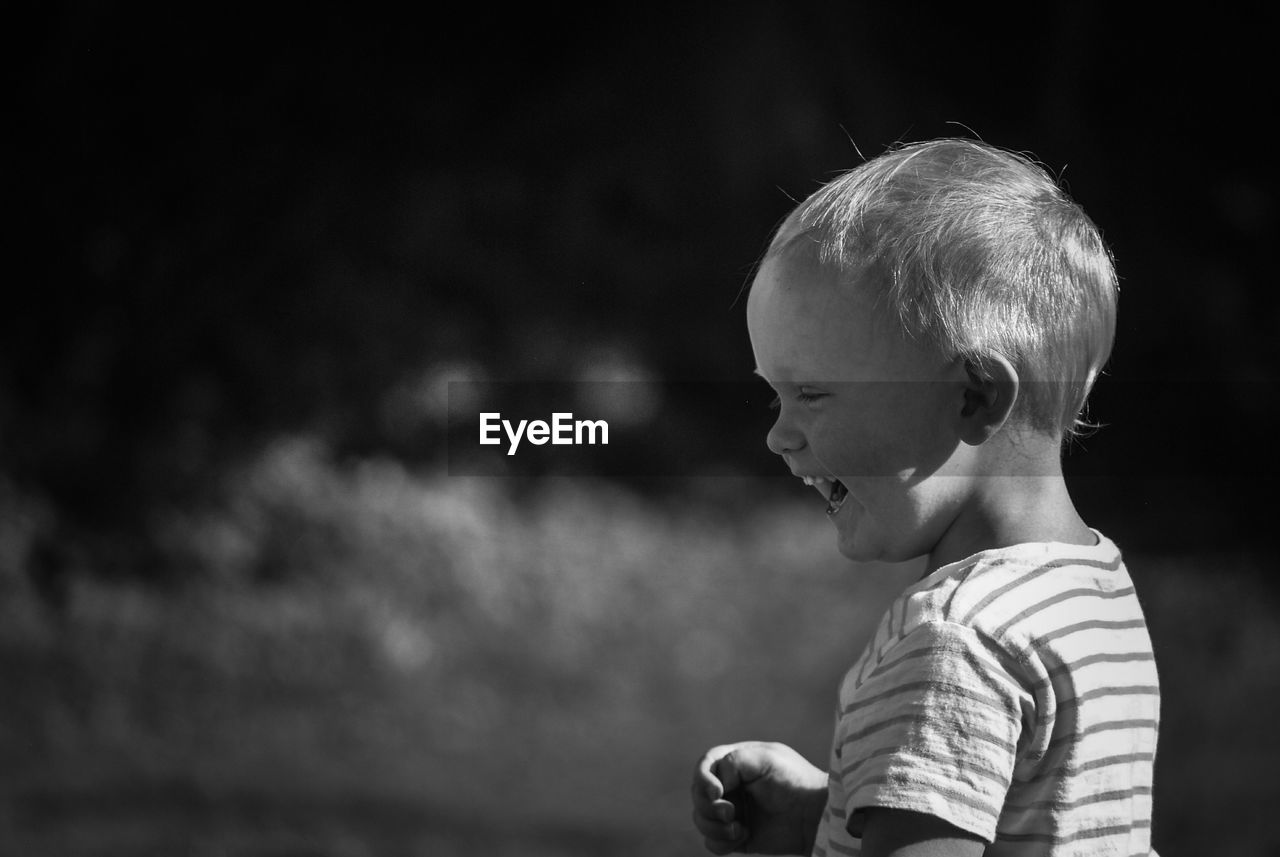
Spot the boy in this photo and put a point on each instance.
(932, 322)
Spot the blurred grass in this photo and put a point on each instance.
(370, 661)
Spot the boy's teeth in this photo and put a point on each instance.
(832, 489)
(837, 497)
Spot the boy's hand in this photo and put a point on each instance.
(780, 794)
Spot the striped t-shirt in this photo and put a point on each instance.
(1014, 695)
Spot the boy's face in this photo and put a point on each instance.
(862, 404)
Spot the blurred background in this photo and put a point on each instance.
(246, 609)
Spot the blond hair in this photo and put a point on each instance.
(979, 252)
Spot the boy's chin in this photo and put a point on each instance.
(847, 550)
(864, 550)
(859, 539)
(852, 548)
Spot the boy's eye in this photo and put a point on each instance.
(802, 396)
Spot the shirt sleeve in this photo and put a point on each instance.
(933, 728)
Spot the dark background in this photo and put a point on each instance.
(252, 223)
(249, 223)
(236, 225)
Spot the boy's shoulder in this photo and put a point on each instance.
(1025, 592)
(1030, 611)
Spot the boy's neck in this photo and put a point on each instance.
(1006, 510)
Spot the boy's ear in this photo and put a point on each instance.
(989, 395)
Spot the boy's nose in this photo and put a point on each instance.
(783, 438)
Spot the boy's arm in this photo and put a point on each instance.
(903, 833)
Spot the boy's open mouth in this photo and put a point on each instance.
(833, 489)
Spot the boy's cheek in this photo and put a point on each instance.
(854, 456)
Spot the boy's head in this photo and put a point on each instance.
(978, 254)
(911, 310)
